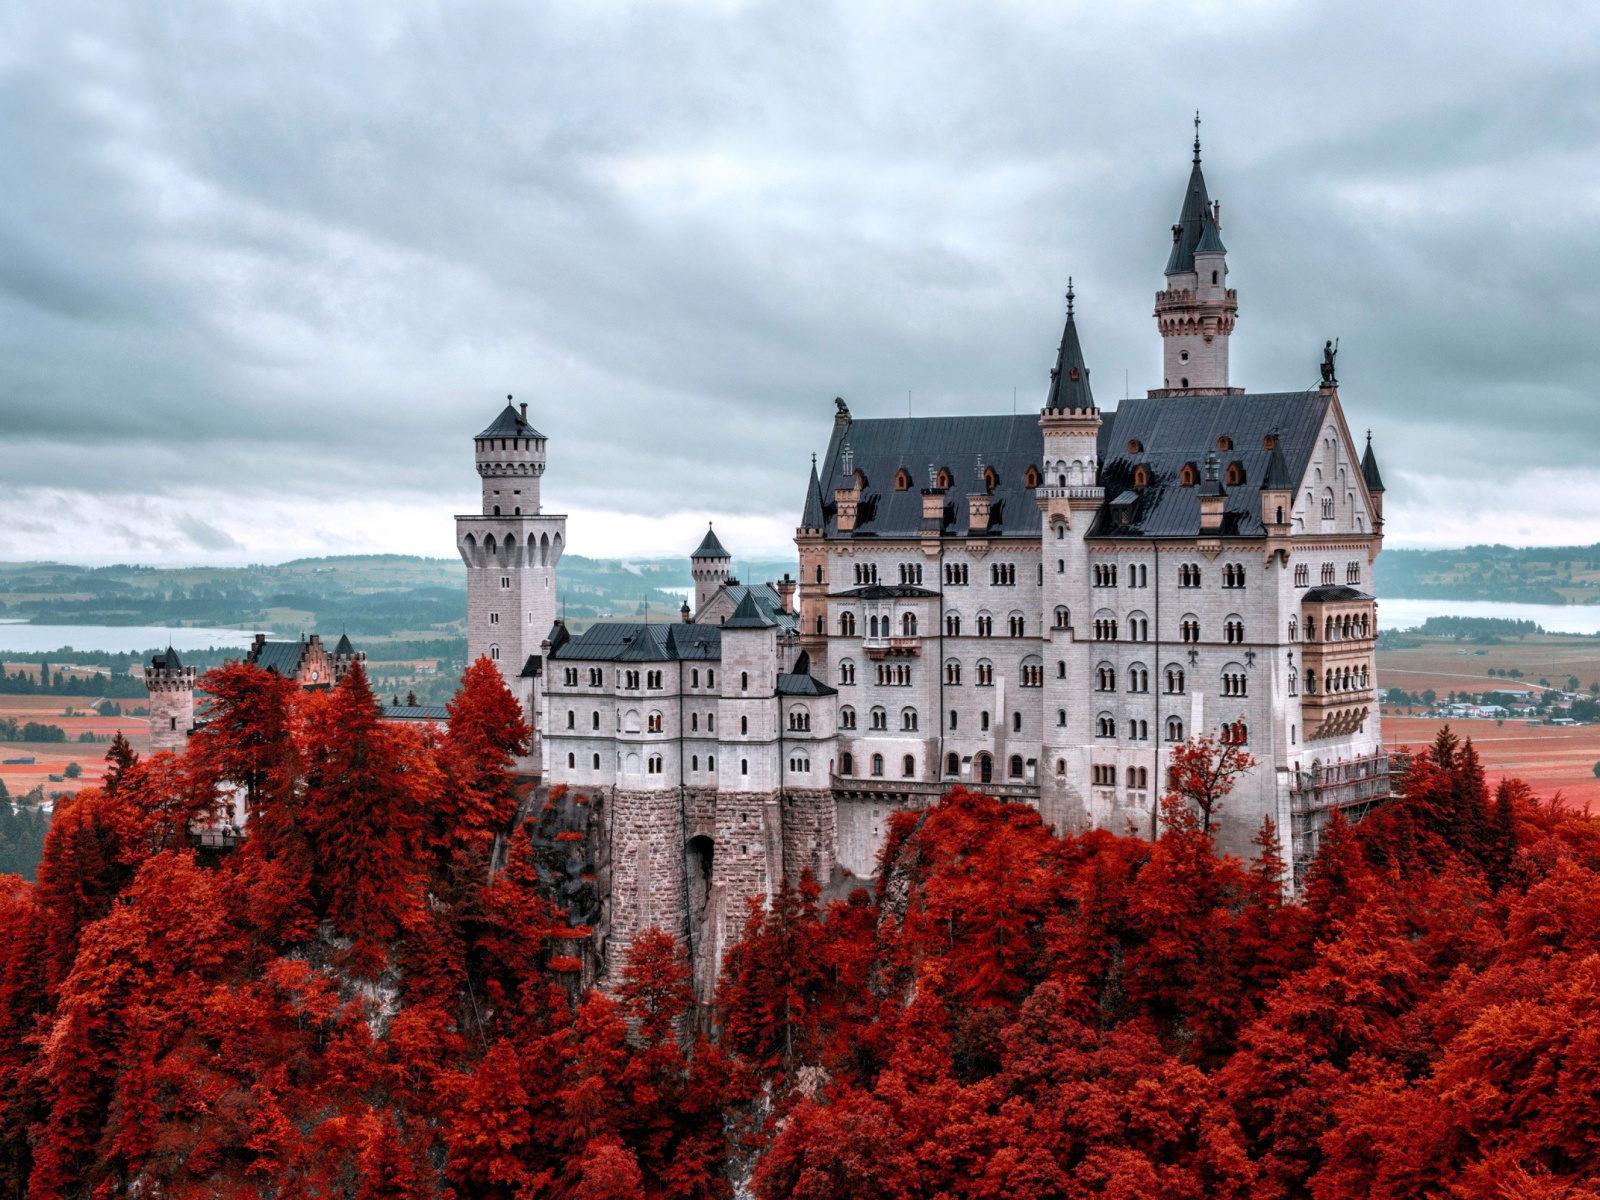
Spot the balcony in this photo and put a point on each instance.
(892, 647)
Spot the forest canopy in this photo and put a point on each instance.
(377, 993)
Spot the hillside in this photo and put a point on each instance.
(1528, 575)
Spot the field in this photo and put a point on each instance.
(1446, 665)
(51, 758)
(1550, 757)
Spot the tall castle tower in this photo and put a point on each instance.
(171, 687)
(710, 565)
(511, 549)
(1197, 310)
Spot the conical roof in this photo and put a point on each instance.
(813, 517)
(709, 547)
(510, 423)
(1277, 478)
(1197, 227)
(749, 615)
(1069, 382)
(1369, 467)
(344, 647)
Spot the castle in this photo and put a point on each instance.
(1038, 606)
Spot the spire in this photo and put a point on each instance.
(1069, 382)
(1278, 478)
(1369, 467)
(709, 546)
(813, 517)
(1197, 223)
(748, 615)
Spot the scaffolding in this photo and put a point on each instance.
(1352, 787)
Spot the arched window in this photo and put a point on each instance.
(1061, 716)
(985, 625)
(1031, 478)
(902, 480)
(1105, 678)
(1016, 766)
(1233, 631)
(952, 624)
(1061, 668)
(821, 625)
(952, 672)
(1174, 729)
(985, 766)
(572, 761)
(944, 480)
(847, 717)
(819, 572)
(596, 762)
(1135, 446)
(847, 764)
(1236, 474)
(990, 479)
(1061, 766)
(847, 624)
(908, 720)
(572, 719)
(1141, 476)
(1105, 725)
(1016, 625)
(1174, 681)
(908, 767)
(880, 718)
(1224, 443)
(1189, 628)
(877, 764)
(1188, 477)
(744, 681)
(1235, 734)
(494, 653)
(847, 672)
(594, 720)
(744, 766)
(984, 673)
(744, 724)
(952, 764)
(908, 624)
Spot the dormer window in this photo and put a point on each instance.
(944, 480)
(1032, 480)
(902, 480)
(1270, 442)
(1141, 477)
(1224, 443)
(1235, 474)
(1135, 446)
(990, 479)
(1189, 477)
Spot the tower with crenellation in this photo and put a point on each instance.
(511, 549)
(171, 686)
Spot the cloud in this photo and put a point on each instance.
(270, 266)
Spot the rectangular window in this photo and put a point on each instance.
(505, 581)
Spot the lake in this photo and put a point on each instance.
(1555, 618)
(18, 638)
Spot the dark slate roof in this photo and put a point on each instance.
(1196, 229)
(510, 424)
(880, 447)
(344, 647)
(1184, 429)
(531, 668)
(885, 591)
(1369, 468)
(281, 657)
(767, 600)
(812, 517)
(414, 712)
(166, 660)
(635, 641)
(1337, 591)
(749, 616)
(1069, 382)
(709, 547)
(803, 685)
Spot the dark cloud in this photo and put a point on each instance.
(298, 250)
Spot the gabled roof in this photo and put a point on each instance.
(510, 424)
(166, 660)
(1175, 430)
(414, 712)
(280, 657)
(881, 447)
(1196, 228)
(1369, 467)
(767, 600)
(635, 641)
(1069, 382)
(709, 547)
(749, 616)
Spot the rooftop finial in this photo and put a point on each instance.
(1197, 137)
(1069, 297)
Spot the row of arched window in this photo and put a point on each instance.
(541, 550)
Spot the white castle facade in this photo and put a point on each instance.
(1038, 606)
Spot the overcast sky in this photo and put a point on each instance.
(266, 267)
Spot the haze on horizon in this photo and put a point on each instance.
(266, 268)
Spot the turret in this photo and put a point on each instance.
(510, 456)
(1197, 310)
(1369, 472)
(171, 687)
(710, 565)
(1277, 491)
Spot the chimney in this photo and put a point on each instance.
(786, 593)
(1213, 500)
(524, 413)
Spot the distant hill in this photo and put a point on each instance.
(1527, 575)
